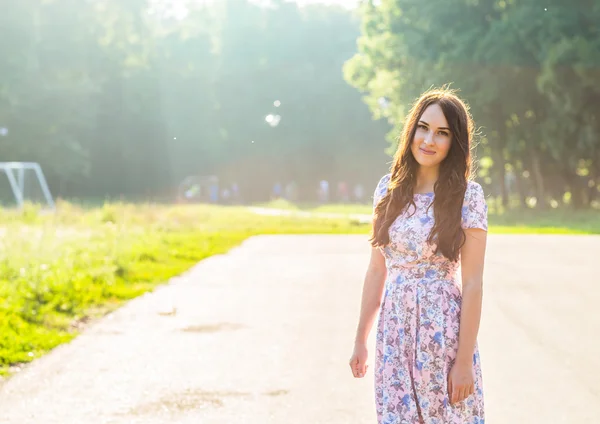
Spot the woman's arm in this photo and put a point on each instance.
(371, 301)
(472, 262)
(371, 295)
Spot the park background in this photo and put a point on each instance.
(133, 108)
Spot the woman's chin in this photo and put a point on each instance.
(428, 162)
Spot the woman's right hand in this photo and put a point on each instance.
(358, 361)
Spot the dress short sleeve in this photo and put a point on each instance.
(381, 189)
(474, 210)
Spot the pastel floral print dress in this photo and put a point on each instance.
(418, 325)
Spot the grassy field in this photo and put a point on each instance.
(526, 221)
(60, 270)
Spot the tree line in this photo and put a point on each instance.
(529, 70)
(127, 98)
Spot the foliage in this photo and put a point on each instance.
(527, 69)
(126, 98)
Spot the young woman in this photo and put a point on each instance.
(425, 274)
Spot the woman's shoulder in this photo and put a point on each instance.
(383, 184)
(474, 210)
(383, 181)
(474, 190)
(381, 188)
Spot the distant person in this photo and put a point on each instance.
(235, 192)
(429, 219)
(226, 196)
(343, 194)
(359, 193)
(324, 191)
(291, 191)
(213, 190)
(277, 189)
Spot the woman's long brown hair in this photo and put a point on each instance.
(449, 189)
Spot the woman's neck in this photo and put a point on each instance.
(426, 179)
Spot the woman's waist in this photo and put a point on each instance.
(436, 270)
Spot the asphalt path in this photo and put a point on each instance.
(263, 335)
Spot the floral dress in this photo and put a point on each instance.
(418, 326)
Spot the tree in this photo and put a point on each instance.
(528, 72)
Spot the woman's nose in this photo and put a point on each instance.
(428, 138)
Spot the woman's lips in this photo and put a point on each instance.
(426, 152)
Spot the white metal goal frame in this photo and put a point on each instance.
(15, 171)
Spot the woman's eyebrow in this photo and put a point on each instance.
(440, 128)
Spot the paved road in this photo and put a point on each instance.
(263, 334)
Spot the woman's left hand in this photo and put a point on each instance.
(461, 382)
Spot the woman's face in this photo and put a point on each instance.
(432, 139)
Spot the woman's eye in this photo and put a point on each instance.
(444, 133)
(421, 126)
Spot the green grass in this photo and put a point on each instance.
(60, 270)
(357, 208)
(556, 221)
(350, 208)
(526, 221)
